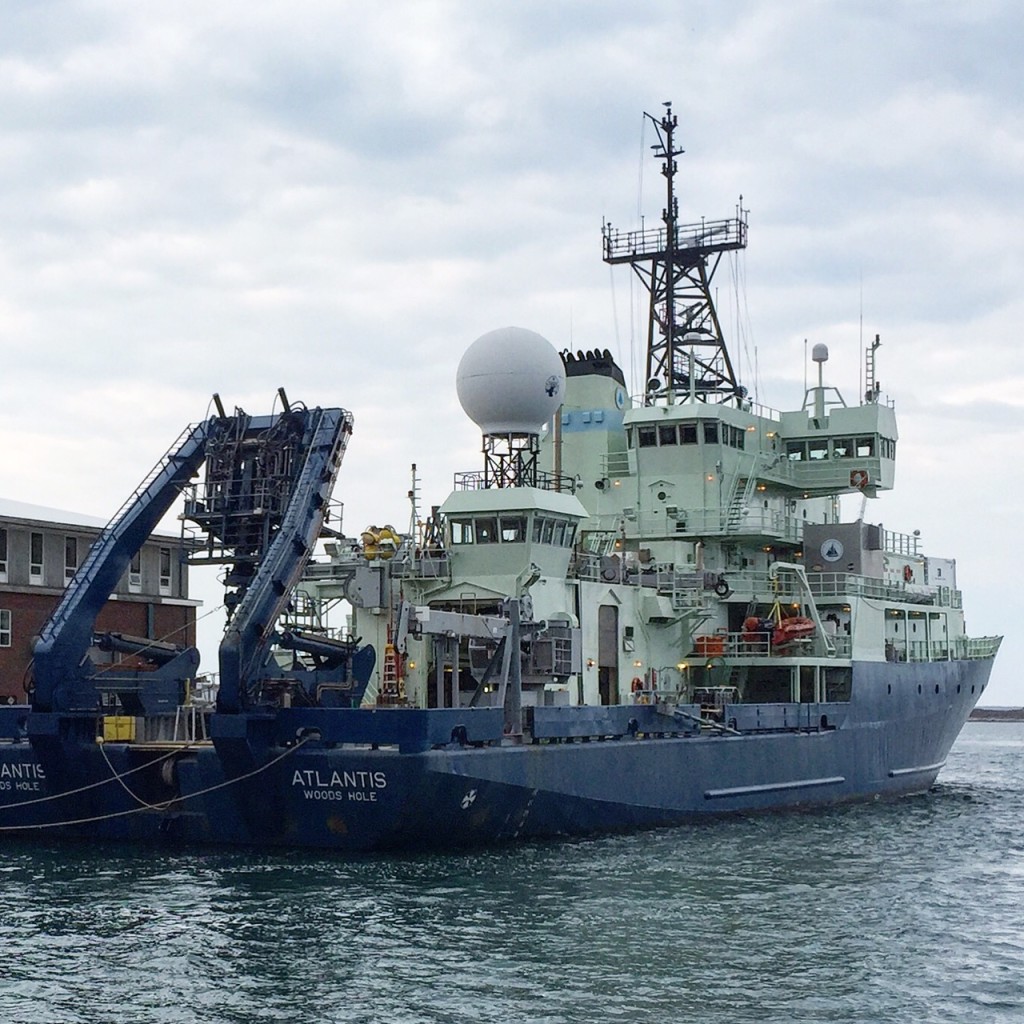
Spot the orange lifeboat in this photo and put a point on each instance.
(796, 627)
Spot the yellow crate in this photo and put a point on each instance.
(118, 729)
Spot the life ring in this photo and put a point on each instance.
(722, 587)
(908, 574)
(638, 684)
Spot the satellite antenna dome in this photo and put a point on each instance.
(510, 381)
(820, 353)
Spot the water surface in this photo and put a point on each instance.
(903, 912)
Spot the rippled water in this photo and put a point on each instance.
(905, 912)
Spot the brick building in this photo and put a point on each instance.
(40, 549)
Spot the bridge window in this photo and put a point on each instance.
(667, 435)
(513, 529)
(5, 627)
(711, 432)
(646, 437)
(487, 530)
(888, 447)
(796, 451)
(817, 450)
(865, 447)
(842, 448)
(462, 531)
(687, 433)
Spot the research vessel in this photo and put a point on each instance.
(645, 606)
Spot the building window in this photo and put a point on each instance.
(135, 574)
(165, 570)
(3, 556)
(70, 558)
(35, 559)
(5, 628)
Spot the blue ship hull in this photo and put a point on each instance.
(424, 779)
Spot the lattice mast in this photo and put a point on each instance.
(686, 352)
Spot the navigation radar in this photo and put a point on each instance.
(510, 381)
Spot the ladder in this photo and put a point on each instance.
(392, 688)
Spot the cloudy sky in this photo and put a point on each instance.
(339, 197)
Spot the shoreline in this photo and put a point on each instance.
(997, 715)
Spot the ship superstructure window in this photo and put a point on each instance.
(135, 573)
(667, 434)
(165, 570)
(553, 531)
(818, 449)
(35, 559)
(734, 437)
(513, 529)
(70, 557)
(487, 530)
(3, 555)
(462, 531)
(5, 627)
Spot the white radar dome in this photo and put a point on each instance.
(510, 381)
